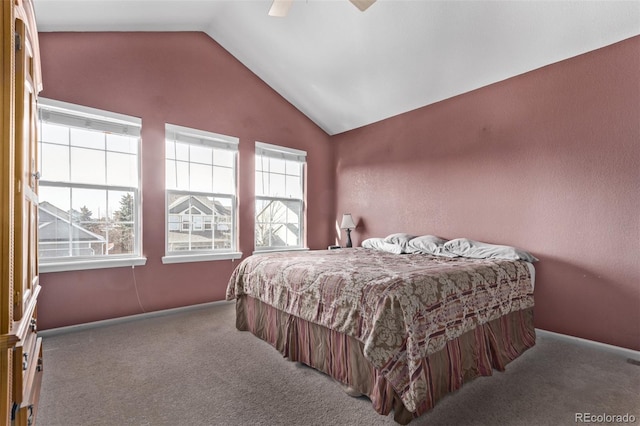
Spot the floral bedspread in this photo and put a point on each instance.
(401, 307)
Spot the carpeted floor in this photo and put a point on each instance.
(194, 368)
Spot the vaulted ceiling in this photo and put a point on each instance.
(345, 68)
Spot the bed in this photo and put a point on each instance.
(402, 329)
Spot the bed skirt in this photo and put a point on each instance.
(475, 353)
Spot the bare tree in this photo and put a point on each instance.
(269, 221)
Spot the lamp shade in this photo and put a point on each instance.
(347, 222)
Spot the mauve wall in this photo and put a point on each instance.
(189, 80)
(548, 161)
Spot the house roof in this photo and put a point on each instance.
(345, 68)
(203, 205)
(54, 225)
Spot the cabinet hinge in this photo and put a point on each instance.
(18, 42)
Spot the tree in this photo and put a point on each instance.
(268, 224)
(85, 214)
(88, 222)
(122, 233)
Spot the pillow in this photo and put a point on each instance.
(382, 245)
(400, 239)
(479, 250)
(428, 244)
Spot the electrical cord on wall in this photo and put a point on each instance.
(135, 285)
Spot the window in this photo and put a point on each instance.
(201, 195)
(279, 197)
(89, 187)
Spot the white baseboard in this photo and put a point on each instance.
(72, 328)
(624, 352)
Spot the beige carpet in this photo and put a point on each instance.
(194, 368)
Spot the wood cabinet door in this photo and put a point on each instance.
(27, 175)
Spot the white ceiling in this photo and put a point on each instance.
(344, 68)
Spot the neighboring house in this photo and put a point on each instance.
(59, 237)
(195, 222)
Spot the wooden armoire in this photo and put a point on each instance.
(20, 347)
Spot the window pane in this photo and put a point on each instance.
(174, 222)
(121, 235)
(223, 180)
(57, 200)
(293, 168)
(294, 189)
(190, 226)
(53, 222)
(169, 150)
(293, 223)
(87, 138)
(262, 163)
(277, 165)
(201, 154)
(181, 151)
(122, 169)
(262, 225)
(223, 157)
(259, 186)
(182, 175)
(120, 143)
(170, 174)
(121, 206)
(89, 205)
(55, 162)
(54, 134)
(276, 185)
(223, 223)
(201, 178)
(89, 221)
(277, 223)
(87, 166)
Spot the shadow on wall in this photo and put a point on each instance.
(357, 234)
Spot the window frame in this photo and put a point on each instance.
(74, 116)
(196, 137)
(290, 154)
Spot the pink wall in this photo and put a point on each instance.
(548, 161)
(189, 80)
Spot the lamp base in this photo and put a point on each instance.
(349, 238)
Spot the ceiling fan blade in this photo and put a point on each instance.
(280, 8)
(362, 4)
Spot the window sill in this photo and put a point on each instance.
(274, 250)
(200, 257)
(83, 265)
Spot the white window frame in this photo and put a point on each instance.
(192, 136)
(276, 151)
(83, 117)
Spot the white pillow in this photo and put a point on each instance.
(401, 239)
(382, 245)
(428, 244)
(479, 250)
